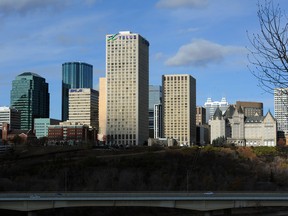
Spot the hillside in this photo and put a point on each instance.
(144, 169)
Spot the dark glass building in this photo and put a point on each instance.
(74, 75)
(31, 97)
(155, 98)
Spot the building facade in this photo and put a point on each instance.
(127, 74)
(179, 106)
(83, 107)
(74, 75)
(281, 109)
(30, 96)
(155, 97)
(217, 125)
(211, 106)
(41, 126)
(200, 115)
(102, 110)
(240, 130)
(250, 109)
(261, 130)
(11, 116)
(68, 133)
(158, 121)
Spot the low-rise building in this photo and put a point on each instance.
(71, 133)
(41, 126)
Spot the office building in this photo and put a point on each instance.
(179, 106)
(74, 75)
(158, 121)
(11, 116)
(200, 115)
(250, 109)
(211, 106)
(102, 110)
(127, 74)
(30, 96)
(41, 126)
(155, 97)
(280, 109)
(83, 107)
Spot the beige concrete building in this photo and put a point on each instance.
(240, 130)
(127, 74)
(217, 125)
(179, 106)
(102, 109)
(261, 130)
(83, 107)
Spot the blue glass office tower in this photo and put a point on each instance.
(31, 97)
(74, 75)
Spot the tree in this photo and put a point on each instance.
(268, 55)
(219, 141)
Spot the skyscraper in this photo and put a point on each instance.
(30, 96)
(280, 109)
(74, 75)
(155, 97)
(179, 108)
(127, 77)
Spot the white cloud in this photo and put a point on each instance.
(181, 3)
(25, 6)
(201, 53)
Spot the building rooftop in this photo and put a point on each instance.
(29, 74)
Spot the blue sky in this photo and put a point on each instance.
(205, 38)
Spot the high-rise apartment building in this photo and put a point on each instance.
(281, 108)
(179, 105)
(83, 107)
(30, 96)
(211, 107)
(127, 74)
(155, 97)
(11, 116)
(74, 75)
(250, 109)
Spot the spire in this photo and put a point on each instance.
(217, 114)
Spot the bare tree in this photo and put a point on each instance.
(268, 55)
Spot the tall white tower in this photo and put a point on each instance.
(179, 108)
(127, 74)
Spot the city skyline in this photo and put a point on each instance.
(187, 37)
